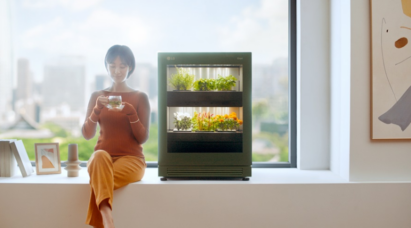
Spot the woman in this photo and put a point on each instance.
(118, 158)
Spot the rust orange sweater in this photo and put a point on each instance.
(120, 134)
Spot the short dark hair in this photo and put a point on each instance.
(125, 54)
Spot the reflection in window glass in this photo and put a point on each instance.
(58, 48)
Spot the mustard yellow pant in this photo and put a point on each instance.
(108, 174)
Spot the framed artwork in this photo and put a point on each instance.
(47, 158)
(390, 69)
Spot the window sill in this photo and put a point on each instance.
(260, 176)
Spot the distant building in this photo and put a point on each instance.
(24, 80)
(65, 117)
(101, 82)
(23, 127)
(68, 123)
(144, 78)
(64, 82)
(37, 88)
(263, 81)
(267, 79)
(6, 62)
(24, 99)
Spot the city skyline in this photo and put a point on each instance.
(269, 80)
(44, 30)
(85, 30)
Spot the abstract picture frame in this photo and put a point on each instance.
(390, 69)
(47, 158)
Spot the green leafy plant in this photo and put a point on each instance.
(182, 80)
(225, 83)
(194, 122)
(203, 121)
(205, 84)
(182, 121)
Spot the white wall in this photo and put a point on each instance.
(340, 37)
(369, 161)
(353, 155)
(313, 100)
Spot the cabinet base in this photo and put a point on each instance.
(204, 172)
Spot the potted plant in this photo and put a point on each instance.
(227, 123)
(182, 80)
(203, 121)
(205, 84)
(194, 122)
(222, 125)
(182, 121)
(238, 124)
(225, 83)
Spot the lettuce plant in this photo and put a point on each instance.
(205, 84)
(225, 83)
(182, 80)
(182, 121)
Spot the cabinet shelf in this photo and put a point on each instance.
(205, 142)
(204, 99)
(234, 136)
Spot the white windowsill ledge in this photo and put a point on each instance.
(259, 176)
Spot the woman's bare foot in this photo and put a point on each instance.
(105, 210)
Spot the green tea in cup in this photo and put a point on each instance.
(114, 102)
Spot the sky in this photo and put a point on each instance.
(46, 29)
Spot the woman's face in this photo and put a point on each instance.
(117, 70)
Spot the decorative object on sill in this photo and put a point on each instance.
(8, 164)
(22, 158)
(72, 152)
(72, 164)
(47, 158)
(390, 67)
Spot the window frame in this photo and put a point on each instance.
(292, 93)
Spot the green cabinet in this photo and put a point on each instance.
(204, 108)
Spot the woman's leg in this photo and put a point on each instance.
(105, 210)
(103, 174)
(128, 169)
(100, 168)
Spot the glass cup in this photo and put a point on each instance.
(114, 102)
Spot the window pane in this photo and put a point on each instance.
(58, 50)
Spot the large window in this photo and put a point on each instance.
(58, 48)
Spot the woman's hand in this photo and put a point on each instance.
(101, 102)
(128, 109)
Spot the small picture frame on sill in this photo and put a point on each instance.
(47, 158)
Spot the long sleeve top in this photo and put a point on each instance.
(120, 134)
